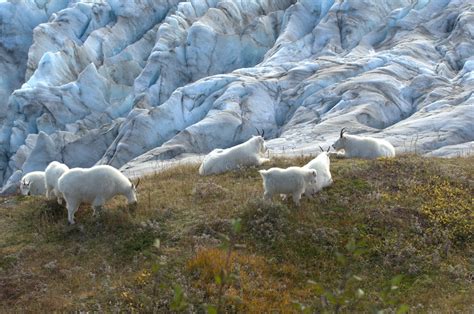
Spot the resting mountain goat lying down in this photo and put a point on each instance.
(363, 147)
(52, 173)
(243, 155)
(324, 179)
(292, 180)
(33, 183)
(95, 186)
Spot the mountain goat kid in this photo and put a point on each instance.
(363, 146)
(94, 185)
(292, 180)
(243, 155)
(52, 173)
(324, 179)
(33, 183)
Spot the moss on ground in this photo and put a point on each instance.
(341, 251)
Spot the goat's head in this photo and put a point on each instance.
(25, 187)
(341, 141)
(132, 197)
(261, 147)
(311, 176)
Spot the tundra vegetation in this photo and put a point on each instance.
(387, 234)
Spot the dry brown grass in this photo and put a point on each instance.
(399, 208)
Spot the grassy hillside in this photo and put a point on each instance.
(389, 234)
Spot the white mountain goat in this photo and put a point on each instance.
(292, 180)
(324, 179)
(363, 147)
(95, 186)
(33, 183)
(243, 155)
(52, 173)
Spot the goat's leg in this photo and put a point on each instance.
(97, 206)
(72, 207)
(296, 198)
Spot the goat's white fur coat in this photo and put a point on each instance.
(95, 186)
(364, 147)
(324, 178)
(292, 180)
(33, 183)
(52, 174)
(246, 154)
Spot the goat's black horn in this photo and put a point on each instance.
(342, 132)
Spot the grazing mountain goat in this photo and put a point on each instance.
(243, 155)
(324, 179)
(94, 185)
(292, 180)
(363, 147)
(52, 173)
(33, 183)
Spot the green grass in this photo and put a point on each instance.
(409, 215)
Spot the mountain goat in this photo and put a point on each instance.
(324, 179)
(33, 183)
(292, 180)
(94, 185)
(52, 173)
(363, 147)
(247, 154)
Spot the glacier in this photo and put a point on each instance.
(144, 84)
